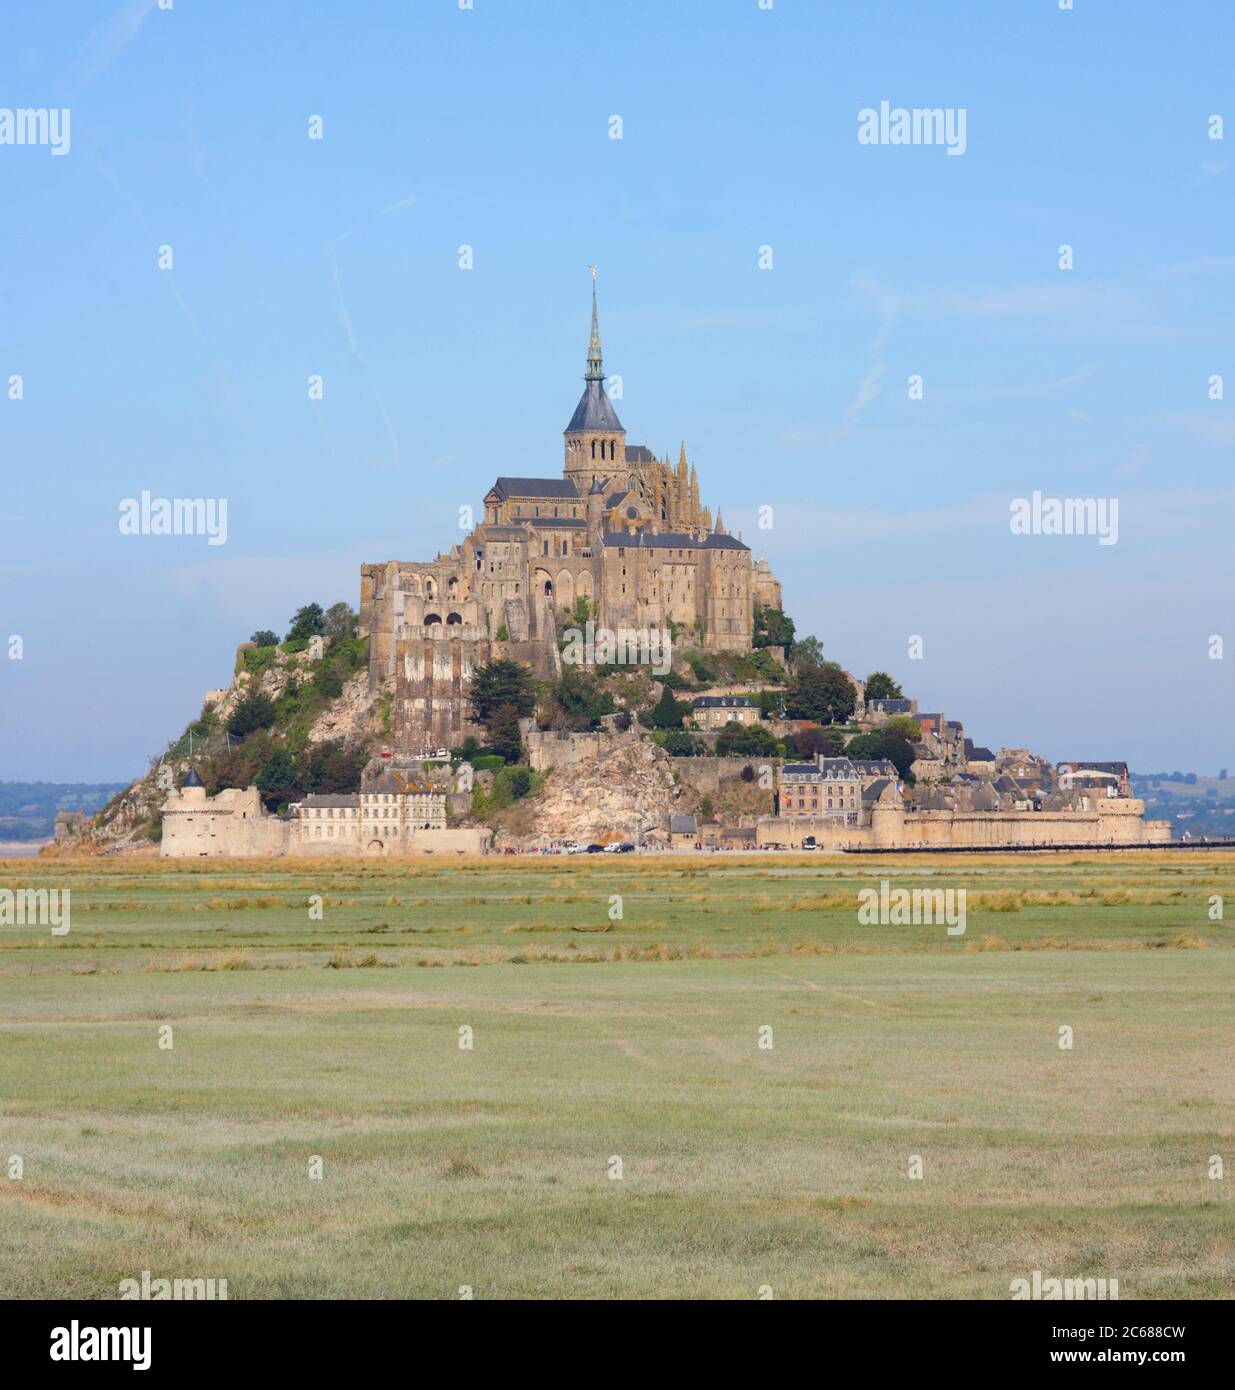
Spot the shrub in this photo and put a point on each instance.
(255, 711)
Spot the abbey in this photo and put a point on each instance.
(620, 527)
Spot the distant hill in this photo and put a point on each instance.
(1196, 806)
(28, 809)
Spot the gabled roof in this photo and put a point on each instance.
(683, 825)
(535, 487)
(980, 754)
(594, 412)
(875, 790)
(724, 702)
(316, 799)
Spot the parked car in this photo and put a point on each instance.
(809, 842)
(624, 848)
(594, 849)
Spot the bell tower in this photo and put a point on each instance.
(595, 439)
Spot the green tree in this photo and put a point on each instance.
(499, 683)
(807, 743)
(822, 694)
(771, 703)
(278, 781)
(881, 686)
(807, 654)
(679, 744)
(255, 711)
(772, 628)
(340, 621)
(308, 621)
(327, 681)
(880, 743)
(580, 699)
(904, 726)
(330, 767)
(263, 637)
(504, 735)
(744, 740)
(668, 713)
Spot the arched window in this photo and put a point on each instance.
(431, 618)
(452, 619)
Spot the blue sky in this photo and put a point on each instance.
(490, 128)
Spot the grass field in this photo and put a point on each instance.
(337, 1036)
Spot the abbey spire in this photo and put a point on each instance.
(595, 367)
(595, 439)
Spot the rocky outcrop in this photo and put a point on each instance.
(626, 791)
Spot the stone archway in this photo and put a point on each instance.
(374, 847)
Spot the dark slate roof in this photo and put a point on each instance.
(724, 702)
(549, 523)
(666, 540)
(683, 825)
(597, 486)
(893, 706)
(331, 799)
(800, 770)
(506, 533)
(535, 487)
(875, 790)
(192, 780)
(1009, 785)
(1120, 769)
(980, 754)
(639, 453)
(615, 498)
(880, 766)
(837, 767)
(594, 412)
(984, 798)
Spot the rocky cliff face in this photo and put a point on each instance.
(627, 789)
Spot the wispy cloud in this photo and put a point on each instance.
(108, 41)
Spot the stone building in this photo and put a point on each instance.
(828, 787)
(619, 527)
(715, 711)
(391, 815)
